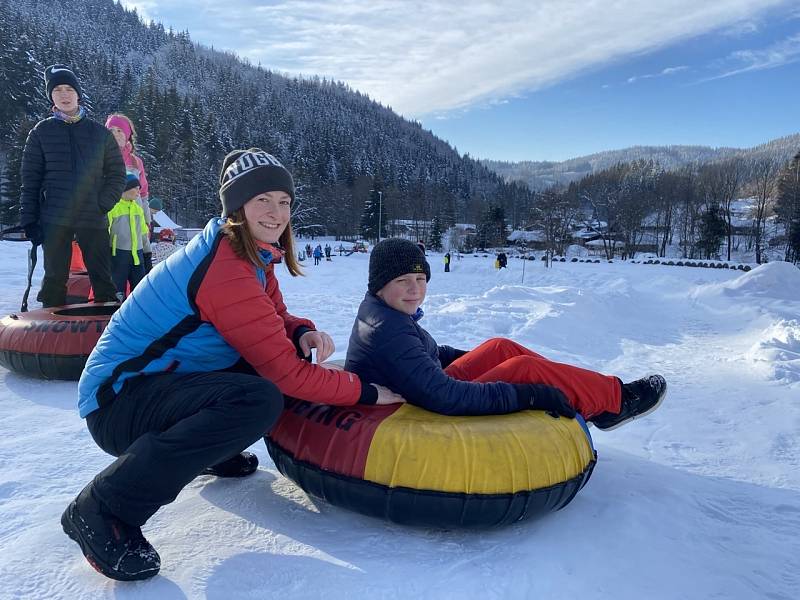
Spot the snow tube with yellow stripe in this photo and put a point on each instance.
(405, 464)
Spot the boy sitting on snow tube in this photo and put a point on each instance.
(389, 347)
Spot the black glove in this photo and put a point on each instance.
(33, 231)
(538, 396)
(148, 262)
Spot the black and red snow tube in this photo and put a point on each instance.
(53, 343)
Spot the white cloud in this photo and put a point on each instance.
(781, 53)
(742, 29)
(425, 57)
(147, 9)
(673, 70)
(664, 72)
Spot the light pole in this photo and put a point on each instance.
(380, 212)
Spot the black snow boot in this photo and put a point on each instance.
(112, 547)
(240, 465)
(639, 398)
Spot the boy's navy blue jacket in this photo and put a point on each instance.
(390, 348)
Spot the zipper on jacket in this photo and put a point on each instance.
(73, 151)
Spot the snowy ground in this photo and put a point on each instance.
(699, 500)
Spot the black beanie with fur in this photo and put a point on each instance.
(392, 258)
(248, 173)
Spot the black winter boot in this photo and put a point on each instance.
(639, 398)
(240, 465)
(112, 547)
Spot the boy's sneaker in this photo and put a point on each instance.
(639, 398)
(240, 465)
(112, 547)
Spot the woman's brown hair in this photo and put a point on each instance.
(245, 246)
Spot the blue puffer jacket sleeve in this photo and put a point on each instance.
(389, 348)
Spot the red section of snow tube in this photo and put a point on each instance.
(79, 288)
(53, 343)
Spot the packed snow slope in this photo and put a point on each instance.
(699, 500)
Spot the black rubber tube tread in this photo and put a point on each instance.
(44, 366)
(425, 508)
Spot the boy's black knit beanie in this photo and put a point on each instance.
(55, 75)
(392, 258)
(131, 181)
(248, 173)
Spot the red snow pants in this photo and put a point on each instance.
(499, 359)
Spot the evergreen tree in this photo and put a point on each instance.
(492, 230)
(435, 234)
(373, 217)
(713, 230)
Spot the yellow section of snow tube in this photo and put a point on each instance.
(496, 454)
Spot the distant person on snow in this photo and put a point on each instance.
(502, 260)
(121, 127)
(193, 368)
(156, 206)
(317, 254)
(447, 263)
(388, 346)
(327, 252)
(72, 175)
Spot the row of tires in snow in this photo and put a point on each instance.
(655, 261)
(692, 263)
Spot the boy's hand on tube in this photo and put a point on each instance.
(538, 396)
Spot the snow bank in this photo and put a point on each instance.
(777, 280)
(777, 353)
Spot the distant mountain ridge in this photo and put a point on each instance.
(539, 175)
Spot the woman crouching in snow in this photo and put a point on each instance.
(192, 368)
(389, 347)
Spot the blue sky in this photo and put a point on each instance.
(533, 79)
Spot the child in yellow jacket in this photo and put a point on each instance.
(126, 225)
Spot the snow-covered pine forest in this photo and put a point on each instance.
(192, 104)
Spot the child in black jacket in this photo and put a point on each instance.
(389, 347)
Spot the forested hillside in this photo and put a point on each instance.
(192, 104)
